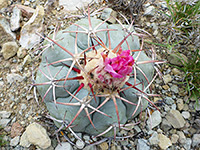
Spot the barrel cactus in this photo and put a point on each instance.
(94, 77)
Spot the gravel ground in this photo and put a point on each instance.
(176, 126)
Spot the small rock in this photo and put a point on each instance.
(14, 141)
(155, 33)
(166, 87)
(167, 108)
(180, 104)
(124, 142)
(174, 138)
(175, 71)
(91, 147)
(174, 88)
(165, 125)
(4, 122)
(150, 11)
(26, 3)
(186, 114)
(197, 121)
(175, 119)
(24, 140)
(28, 37)
(182, 137)
(164, 142)
(27, 60)
(167, 78)
(169, 100)
(103, 145)
(154, 120)
(177, 59)
(80, 144)
(6, 34)
(64, 146)
(173, 106)
(23, 106)
(37, 135)
(5, 114)
(15, 19)
(16, 129)
(72, 5)
(195, 140)
(86, 138)
(142, 145)
(13, 77)
(187, 144)
(3, 4)
(154, 138)
(109, 13)
(9, 49)
(1, 84)
(21, 53)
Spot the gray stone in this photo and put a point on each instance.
(15, 19)
(182, 138)
(3, 4)
(195, 140)
(109, 13)
(4, 122)
(165, 125)
(6, 34)
(37, 135)
(14, 141)
(154, 138)
(64, 146)
(186, 114)
(150, 11)
(9, 49)
(169, 101)
(142, 145)
(164, 142)
(177, 59)
(180, 104)
(174, 88)
(28, 37)
(174, 138)
(24, 140)
(175, 119)
(80, 144)
(13, 77)
(173, 106)
(92, 147)
(21, 53)
(167, 78)
(154, 120)
(187, 144)
(27, 60)
(26, 3)
(5, 114)
(175, 71)
(197, 121)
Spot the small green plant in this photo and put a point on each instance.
(184, 15)
(2, 141)
(191, 80)
(167, 45)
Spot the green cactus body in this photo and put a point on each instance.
(91, 99)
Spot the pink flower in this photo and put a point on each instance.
(119, 66)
